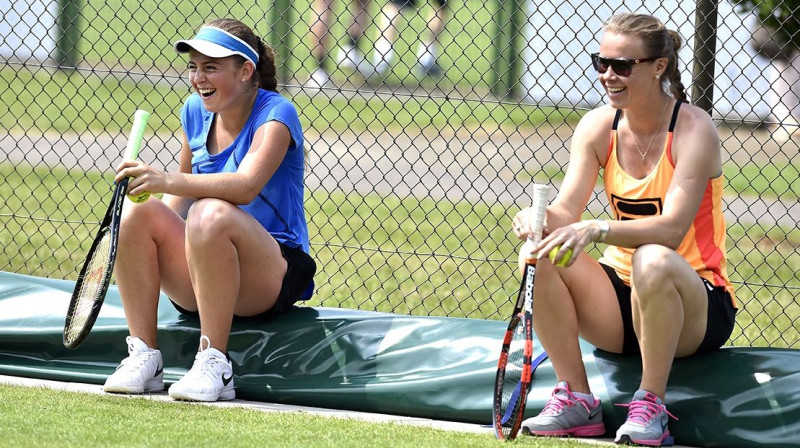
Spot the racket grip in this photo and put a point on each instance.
(137, 134)
(538, 210)
(536, 218)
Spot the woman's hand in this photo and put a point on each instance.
(519, 223)
(521, 226)
(143, 177)
(574, 237)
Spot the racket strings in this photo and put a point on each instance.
(512, 382)
(97, 270)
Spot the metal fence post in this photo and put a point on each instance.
(500, 66)
(705, 49)
(279, 36)
(505, 72)
(514, 27)
(68, 33)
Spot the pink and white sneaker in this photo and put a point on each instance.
(646, 423)
(567, 415)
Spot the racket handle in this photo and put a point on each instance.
(137, 134)
(536, 219)
(539, 210)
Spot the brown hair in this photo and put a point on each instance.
(658, 42)
(267, 78)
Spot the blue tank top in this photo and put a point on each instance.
(279, 205)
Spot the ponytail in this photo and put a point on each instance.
(268, 79)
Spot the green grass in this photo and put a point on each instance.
(412, 256)
(771, 180)
(763, 263)
(390, 254)
(39, 100)
(44, 417)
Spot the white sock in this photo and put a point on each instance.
(588, 397)
(383, 51)
(426, 54)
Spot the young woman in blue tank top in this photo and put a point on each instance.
(229, 237)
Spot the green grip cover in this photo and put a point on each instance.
(137, 134)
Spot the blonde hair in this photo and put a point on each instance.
(659, 41)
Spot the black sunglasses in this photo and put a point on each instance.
(621, 66)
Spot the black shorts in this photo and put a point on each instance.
(413, 3)
(719, 326)
(296, 286)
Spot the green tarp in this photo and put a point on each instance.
(432, 367)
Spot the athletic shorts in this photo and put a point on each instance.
(721, 315)
(300, 269)
(413, 3)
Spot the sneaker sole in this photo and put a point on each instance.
(666, 440)
(188, 396)
(595, 430)
(122, 389)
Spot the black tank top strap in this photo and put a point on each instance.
(674, 115)
(616, 120)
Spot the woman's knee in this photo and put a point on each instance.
(208, 218)
(138, 218)
(653, 267)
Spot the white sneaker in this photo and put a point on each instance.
(381, 68)
(784, 132)
(349, 57)
(142, 371)
(319, 79)
(381, 62)
(209, 379)
(352, 59)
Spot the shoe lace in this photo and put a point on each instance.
(203, 362)
(135, 358)
(558, 402)
(644, 411)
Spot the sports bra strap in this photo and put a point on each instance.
(671, 123)
(674, 115)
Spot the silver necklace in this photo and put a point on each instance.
(653, 139)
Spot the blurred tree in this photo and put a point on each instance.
(781, 17)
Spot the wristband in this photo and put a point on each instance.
(603, 226)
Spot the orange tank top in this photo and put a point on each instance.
(631, 198)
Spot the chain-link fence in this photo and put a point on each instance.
(423, 133)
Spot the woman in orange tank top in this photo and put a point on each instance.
(661, 289)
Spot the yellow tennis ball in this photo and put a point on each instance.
(563, 261)
(139, 198)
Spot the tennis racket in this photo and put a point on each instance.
(95, 276)
(514, 369)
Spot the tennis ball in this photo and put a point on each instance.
(139, 198)
(563, 261)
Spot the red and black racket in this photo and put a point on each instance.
(514, 368)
